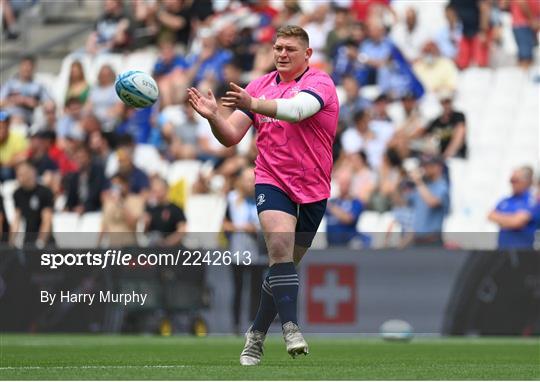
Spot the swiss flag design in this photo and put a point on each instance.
(331, 294)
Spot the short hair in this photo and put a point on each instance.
(359, 115)
(527, 172)
(29, 57)
(25, 163)
(293, 31)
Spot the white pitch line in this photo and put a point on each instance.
(93, 367)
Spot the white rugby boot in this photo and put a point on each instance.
(253, 349)
(295, 342)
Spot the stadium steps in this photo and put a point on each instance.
(52, 30)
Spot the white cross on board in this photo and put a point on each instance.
(331, 294)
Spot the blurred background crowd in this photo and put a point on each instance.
(438, 109)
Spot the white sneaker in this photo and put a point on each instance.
(295, 342)
(253, 349)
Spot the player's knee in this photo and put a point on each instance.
(280, 248)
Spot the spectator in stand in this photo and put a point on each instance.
(343, 212)
(389, 177)
(49, 121)
(240, 226)
(169, 73)
(4, 223)
(437, 73)
(13, 145)
(103, 101)
(208, 64)
(339, 33)
(70, 120)
(174, 18)
(144, 24)
(366, 10)
(449, 36)
(111, 33)
(62, 152)
(179, 126)
(353, 102)
(362, 137)
(317, 28)
(409, 36)
(137, 180)
(409, 125)
(83, 187)
(9, 18)
(375, 52)
(364, 178)
(90, 123)
(381, 124)
(429, 201)
(526, 24)
(290, 14)
(346, 63)
(136, 122)
(164, 221)
(38, 156)
(100, 146)
(515, 215)
(122, 210)
(78, 87)
(475, 40)
(34, 206)
(449, 129)
(22, 94)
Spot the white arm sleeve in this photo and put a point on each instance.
(301, 106)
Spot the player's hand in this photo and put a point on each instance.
(206, 106)
(237, 98)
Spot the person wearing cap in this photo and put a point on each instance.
(449, 129)
(430, 201)
(21, 94)
(516, 214)
(13, 146)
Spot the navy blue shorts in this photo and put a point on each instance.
(309, 215)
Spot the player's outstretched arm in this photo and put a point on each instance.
(295, 109)
(228, 131)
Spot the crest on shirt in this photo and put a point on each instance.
(261, 198)
(34, 202)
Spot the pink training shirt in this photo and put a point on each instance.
(296, 157)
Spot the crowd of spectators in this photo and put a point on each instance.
(388, 155)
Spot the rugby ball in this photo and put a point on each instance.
(396, 330)
(136, 89)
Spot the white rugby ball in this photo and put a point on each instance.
(396, 330)
(136, 89)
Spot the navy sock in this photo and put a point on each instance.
(267, 309)
(283, 281)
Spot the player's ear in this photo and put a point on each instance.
(309, 52)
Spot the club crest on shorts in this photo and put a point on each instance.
(261, 198)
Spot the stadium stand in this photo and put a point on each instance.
(500, 104)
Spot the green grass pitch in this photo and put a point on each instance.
(181, 357)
